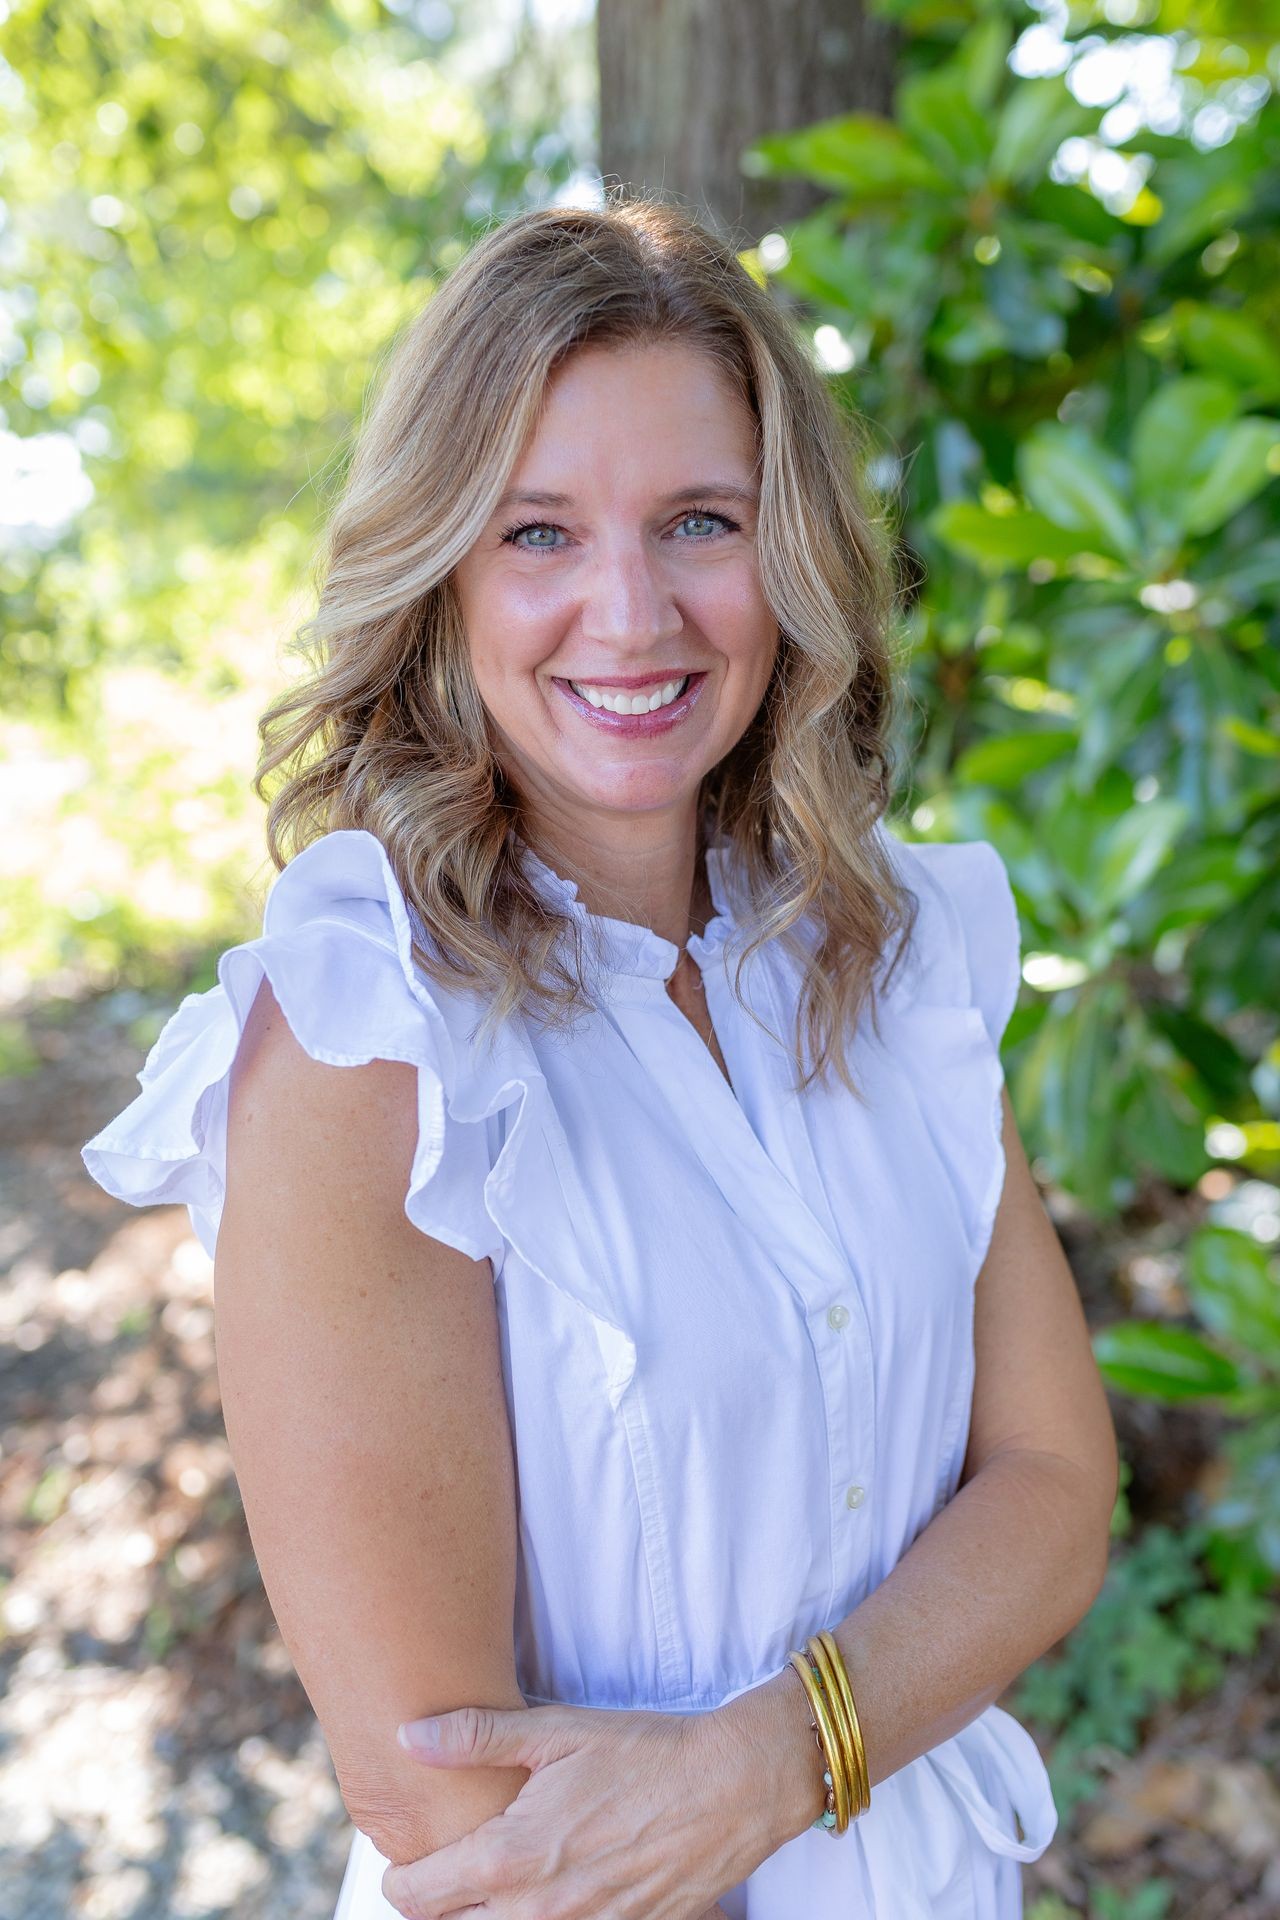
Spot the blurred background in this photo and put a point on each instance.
(1038, 247)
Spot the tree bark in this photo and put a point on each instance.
(685, 85)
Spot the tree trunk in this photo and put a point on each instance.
(685, 85)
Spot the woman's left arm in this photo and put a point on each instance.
(1008, 1566)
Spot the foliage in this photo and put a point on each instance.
(1068, 348)
(1233, 1286)
(1161, 1629)
(214, 219)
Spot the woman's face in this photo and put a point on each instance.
(638, 576)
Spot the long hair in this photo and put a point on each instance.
(388, 732)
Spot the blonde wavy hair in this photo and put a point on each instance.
(388, 732)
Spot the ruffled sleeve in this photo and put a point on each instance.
(336, 947)
(952, 1002)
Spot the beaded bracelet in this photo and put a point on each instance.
(837, 1734)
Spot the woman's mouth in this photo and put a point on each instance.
(655, 707)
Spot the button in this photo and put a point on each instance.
(854, 1496)
(837, 1316)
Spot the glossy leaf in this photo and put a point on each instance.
(1247, 460)
(1070, 480)
(1221, 1067)
(1037, 117)
(855, 153)
(981, 60)
(1235, 1286)
(1002, 540)
(1176, 438)
(1012, 759)
(1131, 850)
(1163, 1362)
(1231, 345)
(939, 118)
(1159, 1113)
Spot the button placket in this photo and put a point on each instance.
(854, 1383)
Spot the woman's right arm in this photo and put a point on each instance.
(361, 1381)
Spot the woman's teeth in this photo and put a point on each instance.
(616, 701)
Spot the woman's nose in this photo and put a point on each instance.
(627, 599)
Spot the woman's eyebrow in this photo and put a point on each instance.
(700, 489)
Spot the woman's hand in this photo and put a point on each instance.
(626, 1815)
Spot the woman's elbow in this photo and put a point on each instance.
(401, 1829)
(1093, 1535)
(408, 1819)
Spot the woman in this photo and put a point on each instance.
(627, 1266)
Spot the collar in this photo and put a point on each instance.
(623, 950)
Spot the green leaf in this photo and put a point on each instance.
(982, 59)
(1070, 827)
(1161, 1362)
(1253, 739)
(1220, 1065)
(1234, 1285)
(1131, 849)
(1175, 440)
(1202, 194)
(937, 115)
(1009, 761)
(1037, 117)
(1247, 459)
(1001, 541)
(1163, 1129)
(1230, 344)
(1202, 884)
(854, 153)
(967, 332)
(1069, 478)
(1070, 1058)
(1072, 207)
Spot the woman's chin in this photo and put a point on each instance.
(632, 790)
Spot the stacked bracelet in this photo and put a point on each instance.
(836, 1731)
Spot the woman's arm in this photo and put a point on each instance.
(1002, 1573)
(362, 1392)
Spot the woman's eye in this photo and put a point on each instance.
(514, 535)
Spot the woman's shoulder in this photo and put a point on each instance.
(337, 946)
(964, 949)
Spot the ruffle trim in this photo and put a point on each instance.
(336, 946)
(954, 996)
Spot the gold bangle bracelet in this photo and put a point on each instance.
(827, 1817)
(846, 1689)
(830, 1744)
(828, 1666)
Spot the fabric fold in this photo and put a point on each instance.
(947, 1010)
(337, 947)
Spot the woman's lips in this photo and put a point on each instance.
(635, 726)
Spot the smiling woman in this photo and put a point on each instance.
(644, 1352)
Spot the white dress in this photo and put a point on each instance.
(736, 1323)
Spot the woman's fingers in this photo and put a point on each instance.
(454, 1880)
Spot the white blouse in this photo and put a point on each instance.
(736, 1322)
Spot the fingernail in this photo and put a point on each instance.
(419, 1735)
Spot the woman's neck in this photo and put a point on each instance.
(652, 880)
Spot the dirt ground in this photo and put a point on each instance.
(158, 1757)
